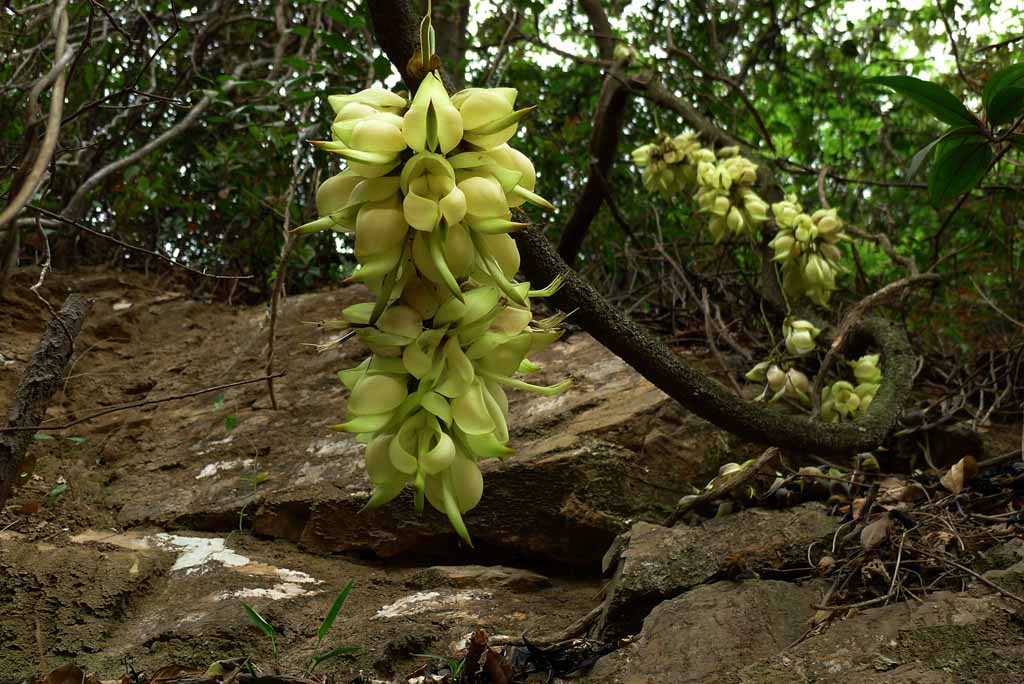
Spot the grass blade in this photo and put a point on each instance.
(332, 614)
(257, 619)
(340, 651)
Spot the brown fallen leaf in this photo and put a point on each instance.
(874, 533)
(65, 674)
(962, 471)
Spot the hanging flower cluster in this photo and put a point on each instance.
(428, 192)
(669, 165)
(724, 181)
(807, 247)
(780, 381)
(844, 400)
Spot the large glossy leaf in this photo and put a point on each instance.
(960, 164)
(922, 155)
(998, 82)
(1007, 105)
(934, 98)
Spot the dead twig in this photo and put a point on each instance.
(136, 404)
(134, 248)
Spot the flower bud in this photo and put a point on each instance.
(866, 369)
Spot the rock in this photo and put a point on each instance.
(948, 638)
(1004, 556)
(706, 635)
(590, 462)
(65, 601)
(482, 576)
(656, 563)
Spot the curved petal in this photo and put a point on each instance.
(422, 213)
(453, 206)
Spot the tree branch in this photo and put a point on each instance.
(604, 147)
(76, 206)
(603, 33)
(43, 377)
(656, 361)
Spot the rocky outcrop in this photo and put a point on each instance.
(653, 563)
(706, 635)
(590, 462)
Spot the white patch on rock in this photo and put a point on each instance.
(281, 591)
(197, 552)
(326, 448)
(211, 469)
(430, 602)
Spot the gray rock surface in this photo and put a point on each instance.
(706, 635)
(657, 563)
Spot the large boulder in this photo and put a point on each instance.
(706, 635)
(612, 450)
(653, 563)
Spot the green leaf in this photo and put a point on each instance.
(230, 423)
(998, 82)
(296, 63)
(257, 619)
(56, 492)
(959, 166)
(340, 651)
(1006, 106)
(381, 67)
(77, 440)
(43, 437)
(334, 41)
(922, 155)
(931, 97)
(218, 402)
(332, 614)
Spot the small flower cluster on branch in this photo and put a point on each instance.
(428, 192)
(806, 246)
(723, 180)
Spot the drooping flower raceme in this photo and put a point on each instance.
(723, 181)
(427, 191)
(807, 247)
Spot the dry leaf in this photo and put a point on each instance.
(875, 533)
(65, 674)
(962, 471)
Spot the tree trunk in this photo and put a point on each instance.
(42, 379)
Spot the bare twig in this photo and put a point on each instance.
(136, 404)
(134, 248)
(856, 314)
(978, 576)
(992, 304)
(39, 283)
(29, 183)
(290, 240)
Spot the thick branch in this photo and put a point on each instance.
(43, 377)
(655, 360)
(76, 207)
(602, 28)
(604, 146)
(703, 396)
(396, 27)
